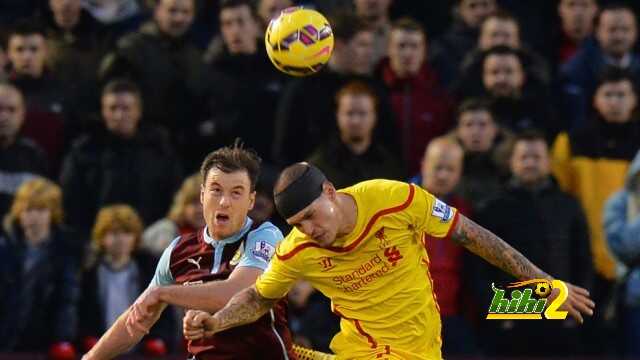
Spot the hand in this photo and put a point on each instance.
(578, 302)
(198, 324)
(142, 310)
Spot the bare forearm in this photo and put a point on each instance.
(244, 308)
(496, 251)
(115, 341)
(209, 297)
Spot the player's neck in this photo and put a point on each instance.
(349, 209)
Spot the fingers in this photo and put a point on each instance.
(194, 324)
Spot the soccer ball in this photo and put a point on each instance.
(299, 41)
(543, 289)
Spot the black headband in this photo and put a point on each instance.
(300, 193)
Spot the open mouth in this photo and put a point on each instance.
(222, 219)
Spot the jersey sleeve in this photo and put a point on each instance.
(430, 214)
(261, 246)
(278, 278)
(163, 276)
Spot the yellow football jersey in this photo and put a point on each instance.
(376, 277)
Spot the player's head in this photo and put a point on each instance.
(616, 98)
(442, 166)
(121, 107)
(356, 112)
(354, 44)
(174, 17)
(530, 162)
(27, 49)
(307, 201)
(12, 113)
(36, 205)
(498, 29)
(473, 12)
(228, 191)
(503, 72)
(616, 30)
(117, 232)
(407, 47)
(238, 26)
(186, 208)
(66, 13)
(476, 129)
(577, 17)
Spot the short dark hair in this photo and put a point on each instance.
(529, 135)
(233, 158)
(229, 4)
(617, 6)
(502, 15)
(502, 50)
(474, 104)
(289, 175)
(122, 85)
(26, 27)
(345, 25)
(614, 74)
(408, 24)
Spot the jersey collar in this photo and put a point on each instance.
(231, 239)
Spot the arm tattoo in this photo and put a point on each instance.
(496, 251)
(245, 307)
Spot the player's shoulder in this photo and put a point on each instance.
(382, 192)
(291, 244)
(266, 232)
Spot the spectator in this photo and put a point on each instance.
(557, 240)
(306, 117)
(441, 173)
(270, 9)
(615, 35)
(518, 101)
(622, 228)
(39, 268)
(185, 216)
(484, 143)
(253, 85)
(20, 158)
(126, 161)
(502, 29)
(116, 274)
(3, 63)
(448, 51)
(354, 156)
(591, 163)
(46, 99)
(174, 83)
(421, 105)
(375, 14)
(576, 26)
(120, 16)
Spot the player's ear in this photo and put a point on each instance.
(252, 199)
(329, 190)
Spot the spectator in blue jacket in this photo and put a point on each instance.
(615, 36)
(622, 228)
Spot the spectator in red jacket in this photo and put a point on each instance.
(421, 106)
(441, 173)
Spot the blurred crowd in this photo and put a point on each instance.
(521, 114)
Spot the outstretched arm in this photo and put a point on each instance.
(245, 307)
(496, 251)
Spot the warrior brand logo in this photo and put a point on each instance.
(326, 264)
(393, 255)
(195, 262)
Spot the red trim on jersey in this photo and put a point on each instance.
(370, 338)
(433, 291)
(364, 234)
(387, 351)
(453, 225)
